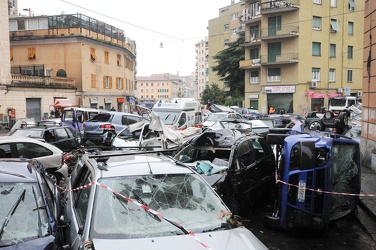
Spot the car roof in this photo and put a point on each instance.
(14, 138)
(139, 164)
(17, 170)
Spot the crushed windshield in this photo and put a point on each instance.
(168, 118)
(20, 218)
(216, 117)
(344, 178)
(182, 198)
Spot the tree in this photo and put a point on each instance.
(228, 70)
(213, 94)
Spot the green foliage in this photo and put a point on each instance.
(228, 70)
(213, 94)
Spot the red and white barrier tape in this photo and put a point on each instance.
(146, 208)
(326, 192)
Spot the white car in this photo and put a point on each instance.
(213, 117)
(51, 157)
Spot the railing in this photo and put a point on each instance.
(283, 58)
(43, 80)
(284, 31)
(279, 5)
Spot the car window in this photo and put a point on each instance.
(69, 132)
(49, 135)
(102, 117)
(31, 150)
(61, 134)
(128, 119)
(81, 197)
(5, 151)
(259, 150)
(245, 154)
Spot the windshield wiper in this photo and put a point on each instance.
(11, 212)
(139, 199)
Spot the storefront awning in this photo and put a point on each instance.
(62, 103)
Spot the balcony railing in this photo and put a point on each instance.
(283, 32)
(43, 81)
(276, 6)
(286, 58)
(249, 63)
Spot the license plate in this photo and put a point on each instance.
(301, 191)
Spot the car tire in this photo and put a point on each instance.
(343, 120)
(316, 125)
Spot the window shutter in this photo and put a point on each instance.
(104, 82)
(110, 82)
(122, 83)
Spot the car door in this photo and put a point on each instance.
(76, 209)
(66, 142)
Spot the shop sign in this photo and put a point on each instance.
(317, 95)
(253, 96)
(280, 89)
(120, 100)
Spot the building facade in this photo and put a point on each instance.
(73, 57)
(298, 54)
(157, 87)
(222, 31)
(202, 67)
(368, 141)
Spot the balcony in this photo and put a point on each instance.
(284, 32)
(42, 81)
(250, 63)
(248, 18)
(251, 41)
(283, 59)
(278, 6)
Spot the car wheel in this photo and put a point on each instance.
(316, 125)
(343, 119)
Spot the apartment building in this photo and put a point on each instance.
(74, 57)
(222, 31)
(298, 54)
(368, 141)
(202, 67)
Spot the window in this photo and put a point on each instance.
(61, 134)
(82, 196)
(106, 60)
(255, 32)
(93, 57)
(254, 53)
(107, 82)
(226, 42)
(93, 81)
(332, 75)
(226, 27)
(315, 74)
(317, 1)
(349, 75)
(118, 60)
(316, 23)
(316, 49)
(332, 50)
(31, 53)
(333, 3)
(349, 52)
(351, 5)
(234, 16)
(274, 25)
(233, 31)
(119, 83)
(274, 75)
(254, 79)
(350, 28)
(334, 25)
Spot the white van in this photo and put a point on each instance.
(338, 104)
(179, 113)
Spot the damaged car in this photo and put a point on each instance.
(145, 200)
(239, 166)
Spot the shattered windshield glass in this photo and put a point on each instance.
(23, 216)
(182, 198)
(345, 179)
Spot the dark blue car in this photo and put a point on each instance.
(30, 206)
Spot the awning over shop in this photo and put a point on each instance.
(62, 103)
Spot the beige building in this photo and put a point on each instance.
(158, 87)
(368, 141)
(73, 57)
(221, 31)
(202, 67)
(300, 53)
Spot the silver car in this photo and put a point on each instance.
(104, 126)
(146, 202)
(51, 157)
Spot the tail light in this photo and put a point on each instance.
(107, 127)
(84, 125)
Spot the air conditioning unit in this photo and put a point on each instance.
(340, 90)
(313, 85)
(359, 94)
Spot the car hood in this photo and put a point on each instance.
(37, 244)
(216, 138)
(238, 238)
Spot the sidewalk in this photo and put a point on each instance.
(367, 205)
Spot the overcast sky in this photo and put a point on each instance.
(178, 24)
